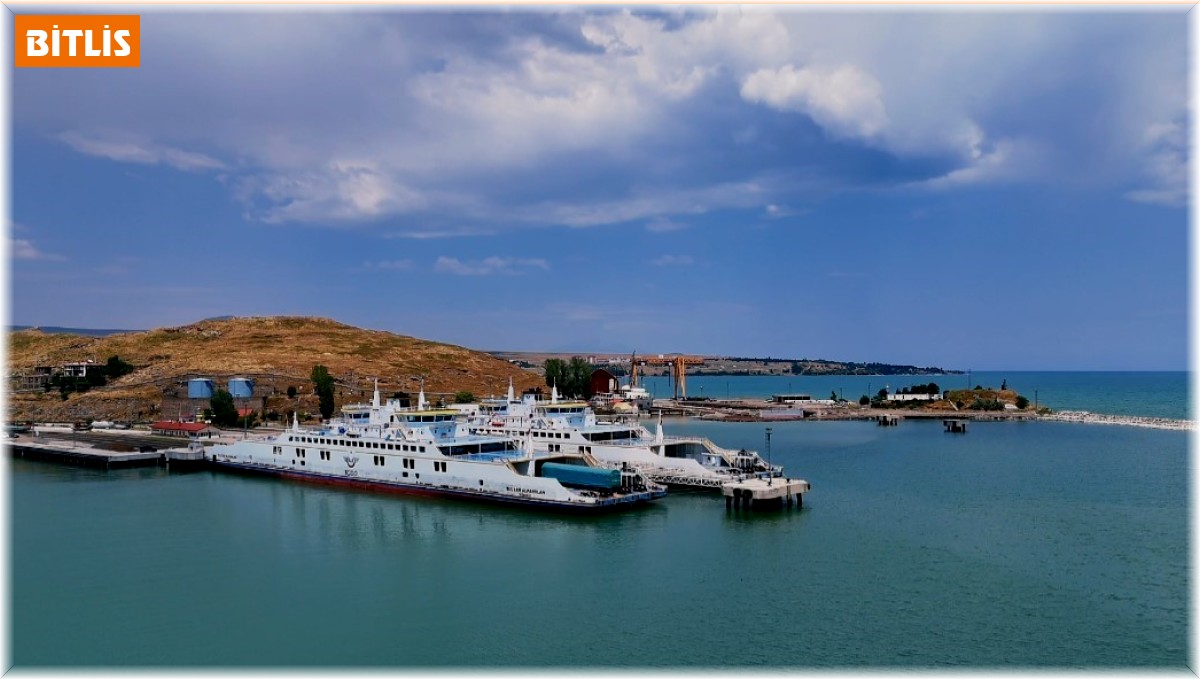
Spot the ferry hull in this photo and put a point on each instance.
(601, 506)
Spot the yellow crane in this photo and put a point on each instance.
(678, 370)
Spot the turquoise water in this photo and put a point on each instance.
(1017, 545)
(1148, 394)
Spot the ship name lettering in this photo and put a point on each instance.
(514, 489)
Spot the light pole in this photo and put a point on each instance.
(770, 469)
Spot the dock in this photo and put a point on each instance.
(89, 454)
(955, 426)
(765, 493)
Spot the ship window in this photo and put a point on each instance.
(406, 475)
(421, 449)
(301, 463)
(289, 438)
(481, 482)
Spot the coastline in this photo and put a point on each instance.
(748, 411)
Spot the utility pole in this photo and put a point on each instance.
(770, 468)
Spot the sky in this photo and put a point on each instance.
(957, 188)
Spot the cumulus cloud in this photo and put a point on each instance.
(341, 191)
(457, 109)
(844, 100)
(489, 266)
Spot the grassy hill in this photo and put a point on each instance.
(278, 351)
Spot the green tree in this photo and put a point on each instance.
(1022, 403)
(323, 386)
(115, 367)
(864, 400)
(464, 397)
(579, 378)
(556, 373)
(224, 412)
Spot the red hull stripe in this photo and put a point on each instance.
(434, 491)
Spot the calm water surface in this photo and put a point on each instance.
(1147, 394)
(1017, 545)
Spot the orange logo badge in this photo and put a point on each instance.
(78, 40)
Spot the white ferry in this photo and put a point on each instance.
(423, 451)
(556, 426)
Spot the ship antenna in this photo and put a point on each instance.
(511, 393)
(375, 398)
(658, 435)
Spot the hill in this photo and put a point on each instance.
(277, 351)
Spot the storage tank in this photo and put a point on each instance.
(200, 388)
(241, 387)
(578, 475)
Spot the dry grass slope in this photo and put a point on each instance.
(277, 345)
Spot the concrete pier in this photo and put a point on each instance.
(955, 426)
(765, 493)
(87, 455)
(887, 420)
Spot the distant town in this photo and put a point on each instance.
(660, 364)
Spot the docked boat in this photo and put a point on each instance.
(557, 426)
(427, 451)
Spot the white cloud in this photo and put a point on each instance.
(844, 100)
(674, 260)
(22, 248)
(452, 232)
(454, 104)
(342, 191)
(774, 211)
(1165, 148)
(508, 266)
(141, 153)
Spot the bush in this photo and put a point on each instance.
(464, 397)
(1022, 403)
(864, 400)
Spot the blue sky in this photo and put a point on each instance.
(955, 188)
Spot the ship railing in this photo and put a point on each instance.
(642, 443)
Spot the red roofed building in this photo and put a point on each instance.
(192, 429)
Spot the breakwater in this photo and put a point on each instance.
(1085, 417)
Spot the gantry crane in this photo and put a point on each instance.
(678, 370)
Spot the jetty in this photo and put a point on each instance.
(103, 455)
(765, 493)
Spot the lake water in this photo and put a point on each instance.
(1018, 545)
